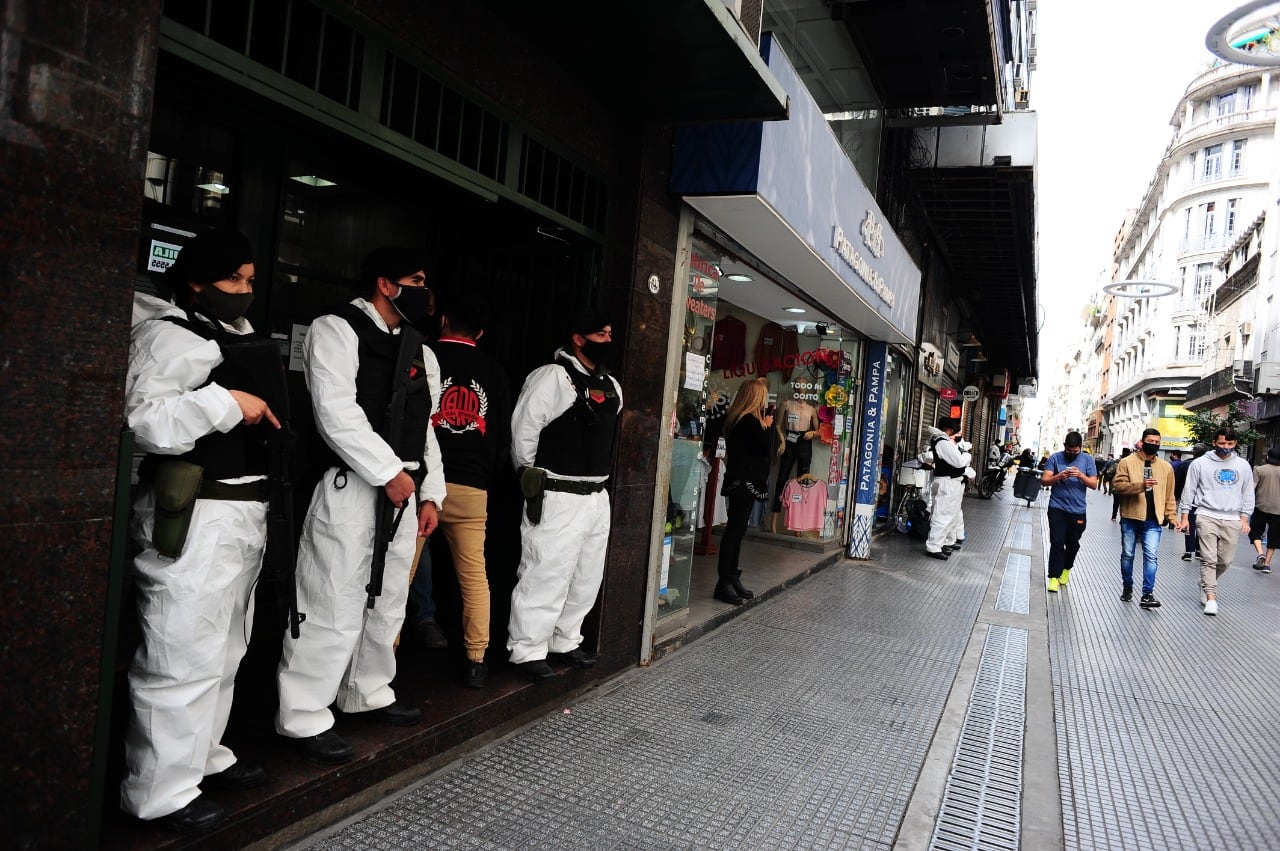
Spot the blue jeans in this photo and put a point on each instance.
(422, 604)
(1129, 531)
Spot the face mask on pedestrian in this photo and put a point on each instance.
(412, 303)
(223, 306)
(1150, 448)
(1071, 454)
(1223, 451)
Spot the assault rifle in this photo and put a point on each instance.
(386, 517)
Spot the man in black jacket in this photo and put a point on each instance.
(472, 425)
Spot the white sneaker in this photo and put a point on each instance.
(1211, 607)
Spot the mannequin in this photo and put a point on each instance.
(798, 425)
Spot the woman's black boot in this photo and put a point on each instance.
(726, 594)
(736, 582)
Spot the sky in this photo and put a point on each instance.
(1109, 75)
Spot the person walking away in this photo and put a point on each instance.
(471, 424)
(1191, 548)
(748, 440)
(373, 383)
(948, 488)
(1069, 474)
(1108, 472)
(201, 524)
(1266, 512)
(562, 437)
(1220, 489)
(1115, 497)
(1144, 482)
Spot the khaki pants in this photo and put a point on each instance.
(1218, 541)
(462, 521)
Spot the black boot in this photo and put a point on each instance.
(726, 594)
(736, 582)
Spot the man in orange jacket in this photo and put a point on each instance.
(1144, 485)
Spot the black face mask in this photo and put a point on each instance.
(1071, 454)
(223, 306)
(597, 353)
(412, 303)
(1150, 448)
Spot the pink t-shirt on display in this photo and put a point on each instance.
(806, 502)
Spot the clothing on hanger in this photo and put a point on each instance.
(806, 503)
(729, 343)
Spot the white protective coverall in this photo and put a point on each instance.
(562, 556)
(345, 653)
(947, 494)
(195, 611)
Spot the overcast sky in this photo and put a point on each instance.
(1109, 75)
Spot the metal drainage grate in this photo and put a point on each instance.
(982, 804)
(1015, 585)
(1021, 538)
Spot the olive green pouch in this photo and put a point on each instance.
(176, 486)
(533, 482)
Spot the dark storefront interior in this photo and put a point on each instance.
(313, 201)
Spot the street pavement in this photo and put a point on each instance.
(904, 702)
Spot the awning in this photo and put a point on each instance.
(668, 60)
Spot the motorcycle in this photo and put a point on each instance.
(992, 479)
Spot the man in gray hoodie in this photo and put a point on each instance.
(1220, 489)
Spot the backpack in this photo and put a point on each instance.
(917, 513)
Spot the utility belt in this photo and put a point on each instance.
(176, 485)
(534, 483)
(567, 486)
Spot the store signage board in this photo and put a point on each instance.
(970, 394)
(947, 394)
(867, 451)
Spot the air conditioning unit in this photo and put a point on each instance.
(1241, 369)
(1022, 97)
(1266, 378)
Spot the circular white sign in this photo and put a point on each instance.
(654, 284)
(969, 394)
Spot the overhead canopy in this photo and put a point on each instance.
(668, 60)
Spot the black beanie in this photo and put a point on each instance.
(392, 262)
(214, 255)
(589, 320)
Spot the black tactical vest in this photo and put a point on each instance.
(940, 467)
(579, 442)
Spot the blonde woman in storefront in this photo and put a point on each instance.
(748, 434)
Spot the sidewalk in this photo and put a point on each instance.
(903, 703)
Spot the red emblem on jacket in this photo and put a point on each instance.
(462, 409)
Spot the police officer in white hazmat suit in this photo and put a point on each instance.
(191, 411)
(948, 488)
(346, 652)
(562, 433)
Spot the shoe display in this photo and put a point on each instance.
(1126, 595)
(325, 748)
(575, 657)
(1149, 601)
(536, 670)
(1211, 607)
(1187, 556)
(1062, 580)
(475, 674)
(427, 633)
(724, 593)
(938, 555)
(1053, 585)
(238, 776)
(744, 593)
(196, 818)
(397, 714)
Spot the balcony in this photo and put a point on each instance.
(1241, 281)
(1222, 175)
(1205, 242)
(1232, 122)
(1219, 388)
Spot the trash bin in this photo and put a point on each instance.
(1027, 484)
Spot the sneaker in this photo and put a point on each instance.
(1187, 556)
(1149, 601)
(1260, 562)
(1126, 594)
(1266, 568)
(475, 674)
(1062, 580)
(1211, 607)
(427, 633)
(1053, 585)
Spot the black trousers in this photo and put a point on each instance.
(1065, 530)
(740, 502)
(798, 455)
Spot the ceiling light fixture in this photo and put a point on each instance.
(979, 357)
(215, 188)
(794, 309)
(312, 180)
(971, 343)
(741, 277)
